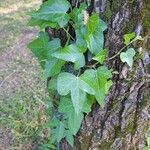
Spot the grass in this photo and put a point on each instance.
(23, 100)
(13, 17)
(25, 117)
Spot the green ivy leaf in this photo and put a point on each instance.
(100, 57)
(54, 122)
(148, 141)
(69, 138)
(146, 148)
(53, 67)
(80, 39)
(128, 37)
(88, 103)
(128, 56)
(52, 84)
(103, 25)
(95, 42)
(74, 119)
(60, 132)
(100, 76)
(42, 23)
(104, 72)
(76, 86)
(53, 11)
(71, 53)
(65, 105)
(46, 146)
(95, 37)
(107, 86)
(74, 122)
(39, 47)
(80, 63)
(42, 49)
(77, 16)
(93, 23)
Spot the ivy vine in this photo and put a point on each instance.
(86, 78)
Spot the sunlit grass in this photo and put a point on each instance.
(25, 117)
(13, 20)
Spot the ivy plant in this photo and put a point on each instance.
(128, 56)
(76, 68)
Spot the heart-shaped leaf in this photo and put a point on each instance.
(128, 56)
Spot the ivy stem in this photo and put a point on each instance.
(68, 37)
(93, 66)
(79, 72)
(68, 33)
(135, 39)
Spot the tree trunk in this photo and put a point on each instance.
(123, 122)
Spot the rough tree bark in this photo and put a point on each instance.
(123, 122)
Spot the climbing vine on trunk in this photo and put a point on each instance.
(75, 62)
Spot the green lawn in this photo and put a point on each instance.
(22, 88)
(13, 19)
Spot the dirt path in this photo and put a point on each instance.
(20, 77)
(18, 67)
